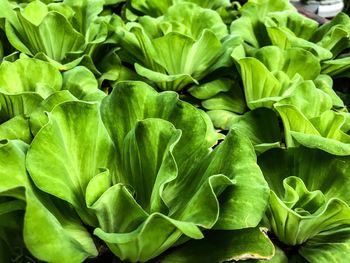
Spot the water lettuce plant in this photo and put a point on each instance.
(173, 131)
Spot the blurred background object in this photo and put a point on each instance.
(323, 8)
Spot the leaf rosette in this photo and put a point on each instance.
(36, 86)
(67, 34)
(142, 172)
(309, 205)
(177, 49)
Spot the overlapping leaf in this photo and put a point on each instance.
(153, 164)
(49, 226)
(311, 207)
(174, 53)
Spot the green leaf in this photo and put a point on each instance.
(210, 89)
(187, 57)
(174, 60)
(262, 128)
(247, 197)
(39, 118)
(151, 238)
(261, 87)
(16, 128)
(223, 119)
(151, 8)
(220, 94)
(322, 132)
(327, 250)
(31, 81)
(279, 257)
(78, 154)
(29, 75)
(320, 206)
(165, 180)
(85, 12)
(165, 82)
(82, 84)
(12, 172)
(334, 35)
(325, 83)
(145, 161)
(149, 164)
(130, 102)
(293, 23)
(51, 233)
(306, 93)
(156, 8)
(222, 246)
(191, 20)
(291, 61)
(289, 29)
(49, 33)
(302, 214)
(337, 68)
(322, 171)
(250, 26)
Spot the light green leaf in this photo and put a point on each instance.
(334, 35)
(12, 172)
(309, 100)
(165, 82)
(156, 8)
(222, 246)
(320, 206)
(301, 214)
(147, 163)
(31, 81)
(147, 240)
(151, 8)
(51, 233)
(16, 128)
(29, 75)
(261, 87)
(325, 83)
(50, 33)
(130, 102)
(85, 12)
(193, 58)
(291, 61)
(210, 89)
(289, 29)
(164, 182)
(322, 132)
(250, 26)
(174, 60)
(82, 84)
(97, 186)
(247, 197)
(190, 19)
(262, 128)
(232, 101)
(220, 94)
(223, 119)
(337, 68)
(293, 23)
(39, 118)
(78, 154)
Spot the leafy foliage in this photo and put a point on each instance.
(173, 131)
